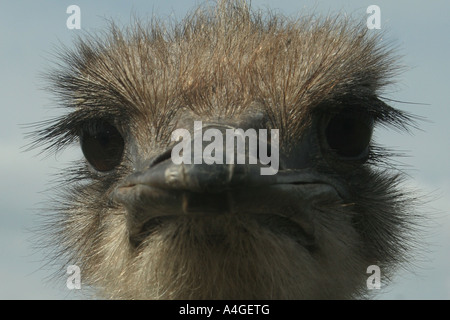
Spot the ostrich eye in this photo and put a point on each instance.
(348, 134)
(102, 145)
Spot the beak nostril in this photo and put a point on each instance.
(160, 158)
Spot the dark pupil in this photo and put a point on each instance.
(104, 140)
(349, 134)
(102, 145)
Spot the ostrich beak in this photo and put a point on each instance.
(168, 190)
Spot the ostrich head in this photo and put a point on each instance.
(141, 226)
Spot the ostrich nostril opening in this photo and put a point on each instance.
(167, 154)
(161, 158)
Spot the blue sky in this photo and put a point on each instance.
(30, 31)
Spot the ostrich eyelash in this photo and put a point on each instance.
(56, 134)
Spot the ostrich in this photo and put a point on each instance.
(140, 226)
